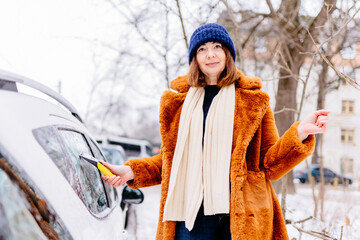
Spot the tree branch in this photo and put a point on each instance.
(237, 29)
(286, 109)
(314, 234)
(252, 30)
(341, 75)
(182, 24)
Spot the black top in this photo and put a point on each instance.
(210, 92)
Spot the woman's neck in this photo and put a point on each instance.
(211, 80)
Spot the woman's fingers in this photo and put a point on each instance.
(121, 173)
(114, 180)
(108, 165)
(118, 183)
(322, 121)
(322, 112)
(316, 123)
(104, 177)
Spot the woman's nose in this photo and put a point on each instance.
(210, 53)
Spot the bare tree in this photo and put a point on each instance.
(296, 37)
(149, 51)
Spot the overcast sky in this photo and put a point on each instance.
(48, 42)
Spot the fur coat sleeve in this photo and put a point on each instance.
(280, 155)
(147, 171)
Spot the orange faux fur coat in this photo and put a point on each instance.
(258, 156)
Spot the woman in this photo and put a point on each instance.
(220, 149)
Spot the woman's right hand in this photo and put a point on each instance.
(122, 174)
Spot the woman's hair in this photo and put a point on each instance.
(196, 77)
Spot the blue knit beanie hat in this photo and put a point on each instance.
(211, 32)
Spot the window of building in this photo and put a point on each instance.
(347, 136)
(347, 107)
(347, 165)
(349, 51)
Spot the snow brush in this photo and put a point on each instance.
(96, 163)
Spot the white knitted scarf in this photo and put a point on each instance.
(201, 172)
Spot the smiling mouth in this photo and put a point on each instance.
(211, 64)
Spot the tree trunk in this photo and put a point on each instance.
(285, 99)
(318, 148)
(320, 105)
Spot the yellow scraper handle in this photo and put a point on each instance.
(104, 170)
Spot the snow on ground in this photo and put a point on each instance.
(341, 208)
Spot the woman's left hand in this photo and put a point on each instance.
(315, 123)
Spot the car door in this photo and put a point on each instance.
(316, 174)
(103, 216)
(329, 175)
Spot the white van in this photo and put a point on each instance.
(134, 148)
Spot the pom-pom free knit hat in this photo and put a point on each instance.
(211, 32)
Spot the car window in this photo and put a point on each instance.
(49, 140)
(328, 172)
(149, 151)
(114, 156)
(112, 194)
(89, 176)
(130, 149)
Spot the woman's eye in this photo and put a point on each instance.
(201, 49)
(218, 46)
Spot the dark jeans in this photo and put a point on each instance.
(213, 227)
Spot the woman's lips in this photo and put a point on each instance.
(212, 64)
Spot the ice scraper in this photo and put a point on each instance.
(96, 163)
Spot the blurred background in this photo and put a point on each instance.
(113, 59)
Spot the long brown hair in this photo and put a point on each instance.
(196, 77)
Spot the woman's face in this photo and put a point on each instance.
(211, 60)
